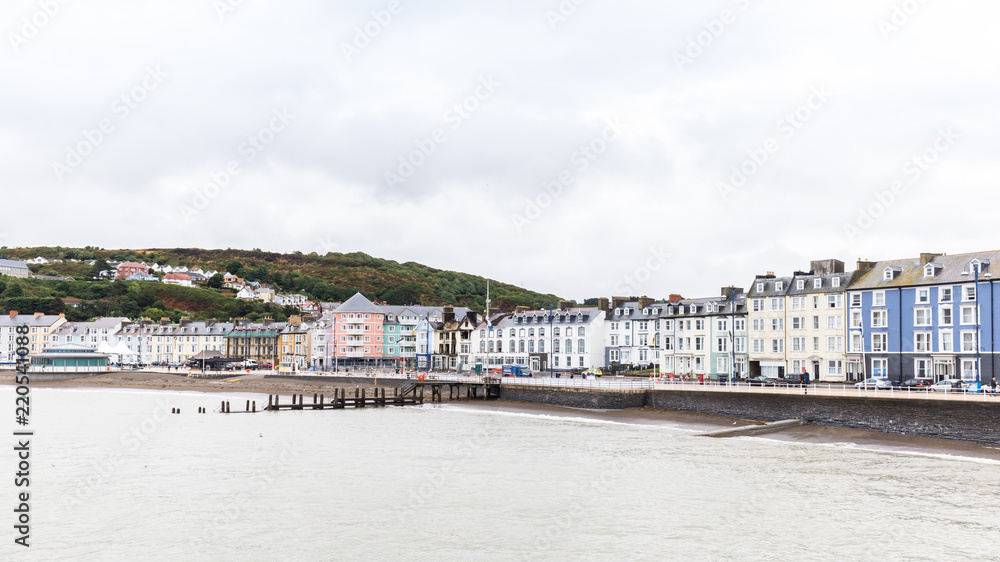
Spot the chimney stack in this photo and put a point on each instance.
(184, 321)
(603, 304)
(13, 313)
(927, 257)
(728, 292)
(645, 301)
(39, 314)
(674, 298)
(164, 321)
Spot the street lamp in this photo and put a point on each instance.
(976, 266)
(732, 334)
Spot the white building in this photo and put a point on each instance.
(568, 339)
(632, 335)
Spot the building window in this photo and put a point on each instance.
(798, 303)
(855, 318)
(880, 319)
(878, 298)
(923, 296)
(968, 341)
(798, 344)
(921, 317)
(834, 301)
(944, 294)
(879, 343)
(880, 368)
(835, 367)
(699, 343)
(922, 341)
(722, 345)
(800, 284)
(758, 346)
(835, 282)
(777, 345)
(834, 322)
(921, 368)
(969, 369)
(760, 287)
(777, 324)
(969, 293)
(968, 315)
(944, 315)
(777, 303)
(758, 305)
(835, 343)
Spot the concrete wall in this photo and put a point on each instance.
(974, 421)
(595, 399)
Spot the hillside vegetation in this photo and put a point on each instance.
(333, 277)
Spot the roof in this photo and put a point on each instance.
(13, 264)
(947, 270)
(30, 320)
(178, 276)
(826, 283)
(132, 264)
(358, 303)
(770, 287)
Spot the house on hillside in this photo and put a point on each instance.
(129, 268)
(14, 268)
(182, 279)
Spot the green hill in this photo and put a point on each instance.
(333, 277)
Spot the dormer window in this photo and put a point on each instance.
(817, 283)
(800, 284)
(760, 287)
(835, 281)
(887, 274)
(778, 286)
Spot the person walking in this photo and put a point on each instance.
(993, 386)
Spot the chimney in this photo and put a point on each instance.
(13, 313)
(864, 266)
(563, 305)
(267, 320)
(164, 321)
(38, 315)
(618, 301)
(768, 275)
(185, 321)
(728, 292)
(928, 257)
(62, 315)
(603, 304)
(645, 301)
(294, 320)
(520, 308)
(210, 321)
(823, 267)
(448, 315)
(674, 298)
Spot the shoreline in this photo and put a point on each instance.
(689, 421)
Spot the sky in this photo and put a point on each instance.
(577, 147)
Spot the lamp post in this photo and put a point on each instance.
(976, 266)
(732, 335)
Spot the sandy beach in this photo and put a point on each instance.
(249, 383)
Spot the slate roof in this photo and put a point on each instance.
(911, 271)
(770, 287)
(358, 303)
(827, 284)
(13, 264)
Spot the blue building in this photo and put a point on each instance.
(931, 317)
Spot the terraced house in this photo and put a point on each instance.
(931, 316)
(357, 333)
(633, 333)
(705, 338)
(798, 323)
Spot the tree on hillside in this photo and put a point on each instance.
(215, 281)
(13, 291)
(99, 265)
(234, 267)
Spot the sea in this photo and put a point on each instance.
(114, 475)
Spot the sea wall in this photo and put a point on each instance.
(593, 399)
(975, 420)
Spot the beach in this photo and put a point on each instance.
(255, 382)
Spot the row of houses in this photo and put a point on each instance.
(929, 316)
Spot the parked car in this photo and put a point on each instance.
(874, 383)
(947, 385)
(916, 384)
(790, 378)
(760, 380)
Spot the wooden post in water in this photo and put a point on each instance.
(253, 406)
(321, 402)
(248, 406)
(227, 407)
(268, 401)
(222, 408)
(362, 403)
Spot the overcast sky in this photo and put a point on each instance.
(630, 147)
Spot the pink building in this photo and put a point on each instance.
(357, 333)
(129, 268)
